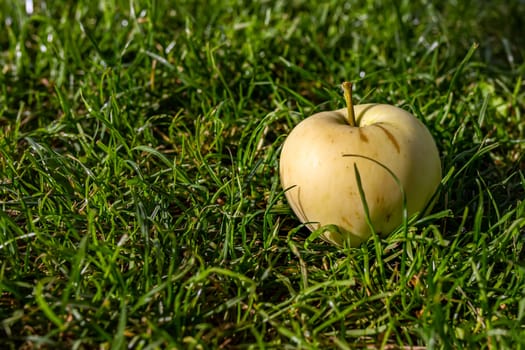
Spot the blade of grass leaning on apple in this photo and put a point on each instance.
(377, 244)
(396, 179)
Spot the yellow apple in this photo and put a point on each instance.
(332, 163)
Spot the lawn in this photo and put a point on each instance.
(140, 202)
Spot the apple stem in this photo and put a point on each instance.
(347, 88)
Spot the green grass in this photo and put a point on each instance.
(139, 193)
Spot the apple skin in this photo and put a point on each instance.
(320, 182)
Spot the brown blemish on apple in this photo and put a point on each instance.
(390, 136)
(347, 223)
(362, 135)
